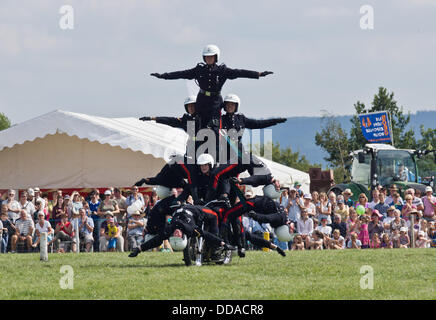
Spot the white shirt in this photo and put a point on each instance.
(15, 205)
(29, 207)
(372, 204)
(44, 228)
(305, 227)
(326, 230)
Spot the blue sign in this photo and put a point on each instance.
(376, 127)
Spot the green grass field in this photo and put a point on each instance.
(398, 274)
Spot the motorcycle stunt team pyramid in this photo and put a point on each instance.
(211, 180)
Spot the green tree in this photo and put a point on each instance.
(383, 101)
(4, 122)
(333, 139)
(426, 165)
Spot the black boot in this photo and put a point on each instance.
(241, 252)
(280, 251)
(134, 252)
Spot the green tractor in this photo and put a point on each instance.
(382, 164)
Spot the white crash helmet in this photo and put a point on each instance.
(163, 192)
(271, 192)
(205, 158)
(211, 50)
(233, 98)
(283, 234)
(177, 243)
(189, 100)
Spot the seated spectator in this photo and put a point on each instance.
(342, 209)
(422, 241)
(316, 241)
(397, 202)
(315, 223)
(390, 217)
(432, 236)
(298, 243)
(76, 204)
(363, 231)
(112, 235)
(134, 196)
(403, 239)
(38, 196)
(315, 198)
(337, 242)
(41, 226)
(27, 205)
(13, 206)
(52, 203)
(8, 228)
(58, 210)
(94, 203)
(108, 205)
(87, 209)
(362, 201)
(375, 226)
(394, 196)
(325, 229)
(325, 208)
(63, 232)
(38, 209)
(386, 242)
(352, 223)
(407, 207)
(297, 186)
(135, 230)
(305, 226)
(284, 199)
(423, 226)
(294, 206)
(67, 206)
(429, 202)
(332, 200)
(104, 234)
(416, 201)
(86, 229)
(375, 241)
(398, 222)
(24, 227)
(382, 206)
(340, 225)
(375, 198)
(308, 205)
(354, 242)
(122, 205)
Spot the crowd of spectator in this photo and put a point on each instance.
(330, 221)
(318, 220)
(101, 221)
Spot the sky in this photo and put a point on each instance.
(321, 57)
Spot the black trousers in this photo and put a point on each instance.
(208, 107)
(257, 241)
(274, 219)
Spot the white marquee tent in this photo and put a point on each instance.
(63, 149)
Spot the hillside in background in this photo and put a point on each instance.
(299, 133)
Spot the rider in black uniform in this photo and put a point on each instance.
(210, 78)
(188, 219)
(230, 127)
